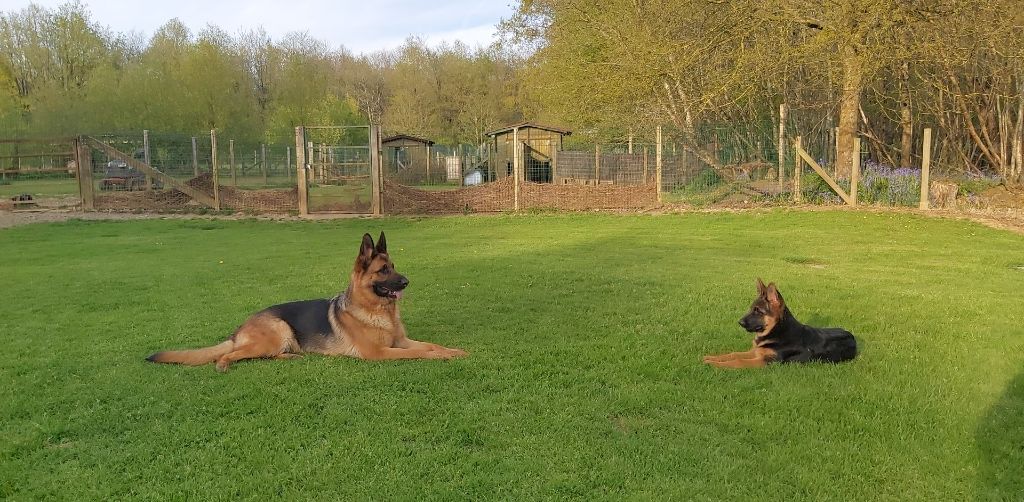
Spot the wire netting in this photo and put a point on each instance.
(38, 174)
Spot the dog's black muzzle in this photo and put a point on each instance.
(391, 287)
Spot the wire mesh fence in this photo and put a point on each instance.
(187, 167)
(521, 168)
(38, 174)
(421, 177)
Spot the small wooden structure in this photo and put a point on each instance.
(538, 144)
(407, 159)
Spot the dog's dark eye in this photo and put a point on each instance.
(383, 270)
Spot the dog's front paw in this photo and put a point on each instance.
(451, 353)
(710, 359)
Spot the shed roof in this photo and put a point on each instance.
(525, 125)
(406, 136)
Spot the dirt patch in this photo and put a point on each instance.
(1002, 197)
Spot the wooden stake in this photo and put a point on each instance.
(597, 164)
(231, 159)
(926, 160)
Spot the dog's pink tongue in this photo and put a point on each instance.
(398, 295)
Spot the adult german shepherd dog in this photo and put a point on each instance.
(780, 338)
(362, 322)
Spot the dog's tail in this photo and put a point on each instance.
(193, 357)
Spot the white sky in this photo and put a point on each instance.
(361, 26)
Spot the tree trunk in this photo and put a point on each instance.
(849, 111)
(906, 143)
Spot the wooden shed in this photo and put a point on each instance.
(539, 144)
(407, 159)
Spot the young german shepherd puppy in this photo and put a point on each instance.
(362, 322)
(780, 338)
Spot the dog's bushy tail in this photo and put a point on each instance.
(193, 357)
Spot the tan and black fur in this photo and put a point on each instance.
(362, 322)
(780, 338)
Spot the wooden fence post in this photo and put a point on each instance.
(427, 160)
(645, 164)
(263, 161)
(657, 160)
(146, 157)
(231, 159)
(195, 158)
(214, 171)
(798, 196)
(782, 144)
(597, 164)
(855, 171)
(926, 160)
(376, 180)
(300, 169)
(288, 162)
(86, 189)
(554, 161)
(515, 168)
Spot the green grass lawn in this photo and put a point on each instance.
(584, 378)
(40, 187)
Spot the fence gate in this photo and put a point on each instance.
(338, 164)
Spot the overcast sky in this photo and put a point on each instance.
(361, 26)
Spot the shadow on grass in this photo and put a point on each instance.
(1000, 440)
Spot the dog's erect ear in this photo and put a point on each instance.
(365, 251)
(772, 295)
(760, 286)
(382, 245)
